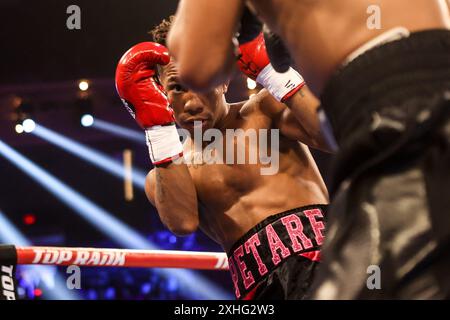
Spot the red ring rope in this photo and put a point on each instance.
(92, 257)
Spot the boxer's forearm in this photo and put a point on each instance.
(173, 193)
(203, 75)
(304, 106)
(200, 41)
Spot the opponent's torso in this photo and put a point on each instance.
(235, 197)
(322, 33)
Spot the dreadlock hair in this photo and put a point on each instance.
(159, 33)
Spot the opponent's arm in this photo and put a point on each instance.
(170, 187)
(201, 41)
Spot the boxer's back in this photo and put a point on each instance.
(322, 33)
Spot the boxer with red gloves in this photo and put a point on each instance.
(142, 94)
(271, 225)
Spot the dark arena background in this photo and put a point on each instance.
(66, 142)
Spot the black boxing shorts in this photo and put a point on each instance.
(388, 232)
(277, 258)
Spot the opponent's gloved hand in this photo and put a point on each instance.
(254, 62)
(142, 94)
(276, 50)
(250, 27)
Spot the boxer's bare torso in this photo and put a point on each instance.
(320, 34)
(233, 198)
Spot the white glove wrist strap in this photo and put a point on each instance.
(279, 84)
(163, 143)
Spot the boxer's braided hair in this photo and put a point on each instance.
(159, 33)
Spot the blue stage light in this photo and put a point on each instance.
(94, 157)
(146, 288)
(28, 125)
(92, 294)
(173, 239)
(172, 284)
(9, 234)
(110, 293)
(104, 221)
(87, 120)
(123, 132)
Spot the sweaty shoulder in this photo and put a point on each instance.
(262, 103)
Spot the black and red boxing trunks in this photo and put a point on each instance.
(390, 113)
(278, 257)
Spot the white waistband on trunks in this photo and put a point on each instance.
(391, 35)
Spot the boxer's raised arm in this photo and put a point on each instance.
(201, 41)
(145, 99)
(299, 121)
(303, 112)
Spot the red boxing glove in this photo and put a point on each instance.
(254, 63)
(253, 57)
(144, 97)
(138, 86)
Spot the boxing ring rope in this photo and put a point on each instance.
(96, 257)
